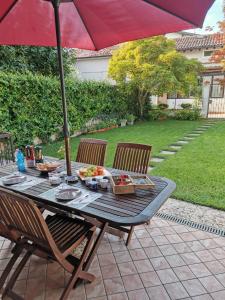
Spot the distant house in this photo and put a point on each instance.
(94, 66)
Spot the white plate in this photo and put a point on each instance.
(14, 179)
(68, 194)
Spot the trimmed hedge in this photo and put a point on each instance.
(30, 105)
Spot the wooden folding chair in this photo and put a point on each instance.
(57, 237)
(134, 158)
(6, 149)
(92, 151)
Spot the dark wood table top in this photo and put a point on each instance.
(121, 210)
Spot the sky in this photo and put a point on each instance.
(214, 15)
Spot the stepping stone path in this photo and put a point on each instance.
(174, 148)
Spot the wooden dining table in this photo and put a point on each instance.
(108, 209)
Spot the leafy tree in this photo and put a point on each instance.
(153, 67)
(42, 60)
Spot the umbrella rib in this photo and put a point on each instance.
(8, 10)
(90, 35)
(171, 13)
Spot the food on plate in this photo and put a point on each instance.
(91, 171)
(48, 166)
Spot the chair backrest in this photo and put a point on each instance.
(22, 215)
(6, 148)
(91, 151)
(132, 157)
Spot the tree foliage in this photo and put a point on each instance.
(42, 60)
(153, 67)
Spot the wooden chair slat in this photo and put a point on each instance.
(91, 151)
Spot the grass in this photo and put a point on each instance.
(158, 134)
(199, 169)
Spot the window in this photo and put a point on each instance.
(217, 91)
(208, 53)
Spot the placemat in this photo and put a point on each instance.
(31, 181)
(79, 203)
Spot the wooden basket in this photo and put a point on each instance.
(132, 186)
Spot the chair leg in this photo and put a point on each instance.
(129, 235)
(78, 271)
(17, 251)
(16, 273)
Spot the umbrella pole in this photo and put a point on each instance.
(55, 4)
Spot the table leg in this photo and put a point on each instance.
(95, 246)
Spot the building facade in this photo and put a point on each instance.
(92, 65)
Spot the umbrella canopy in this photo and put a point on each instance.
(93, 25)
(96, 24)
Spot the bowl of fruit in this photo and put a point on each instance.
(90, 172)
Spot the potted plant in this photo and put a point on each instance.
(130, 119)
(123, 122)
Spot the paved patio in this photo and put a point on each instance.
(164, 261)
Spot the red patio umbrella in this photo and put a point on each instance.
(93, 25)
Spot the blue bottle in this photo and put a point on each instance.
(20, 161)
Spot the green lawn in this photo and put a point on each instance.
(199, 169)
(158, 134)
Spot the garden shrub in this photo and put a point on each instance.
(187, 114)
(30, 105)
(186, 105)
(157, 114)
(163, 106)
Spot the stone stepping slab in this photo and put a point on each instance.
(193, 134)
(150, 169)
(182, 142)
(157, 159)
(167, 152)
(176, 147)
(189, 138)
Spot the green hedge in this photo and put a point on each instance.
(30, 105)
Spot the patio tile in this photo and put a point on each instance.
(211, 284)
(176, 290)
(180, 228)
(187, 237)
(220, 241)
(118, 246)
(194, 287)
(132, 282)
(190, 258)
(181, 248)
(167, 249)
(202, 297)
(215, 267)
(147, 242)
(201, 235)
(221, 278)
(150, 279)
(205, 255)
(55, 294)
(143, 265)
(160, 240)
(154, 231)
(218, 295)
(153, 252)
(199, 270)
(209, 243)
(127, 268)
(138, 254)
(219, 253)
(106, 259)
(104, 248)
(167, 276)
(174, 238)
(142, 233)
(119, 296)
(134, 244)
(110, 271)
(138, 295)
(95, 289)
(35, 288)
(123, 256)
(159, 263)
(167, 230)
(195, 246)
(175, 260)
(184, 273)
(114, 285)
(158, 293)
